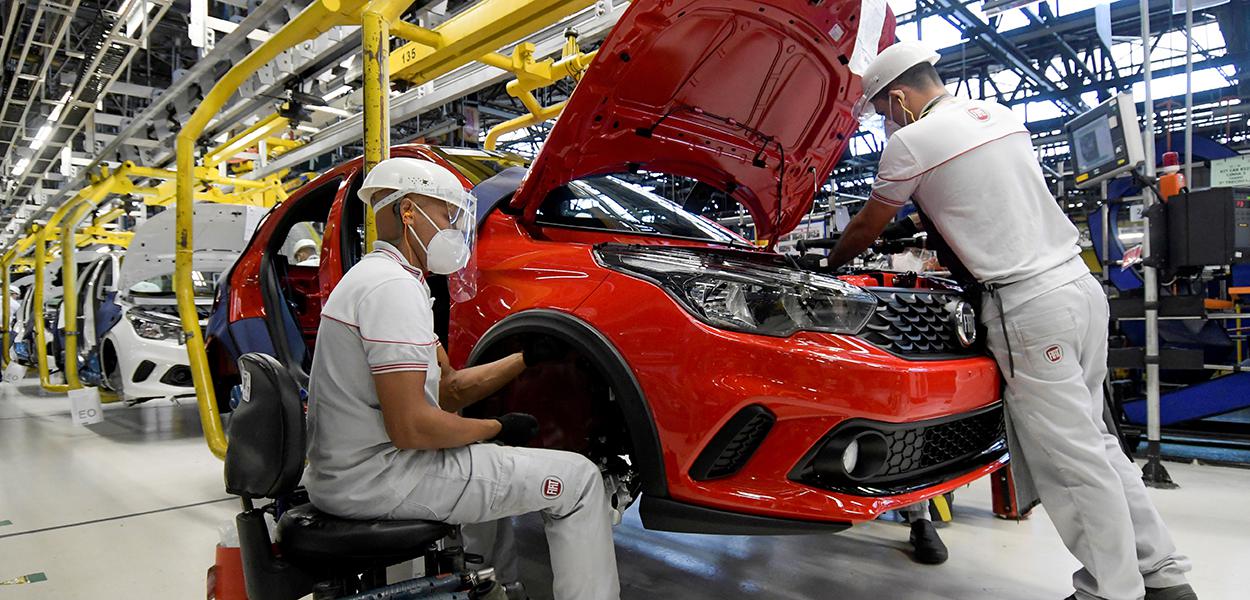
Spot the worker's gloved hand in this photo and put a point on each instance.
(902, 228)
(516, 429)
(541, 349)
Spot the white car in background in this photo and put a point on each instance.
(144, 355)
(21, 318)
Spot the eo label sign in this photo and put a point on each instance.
(85, 406)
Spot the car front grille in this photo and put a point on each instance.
(920, 454)
(917, 324)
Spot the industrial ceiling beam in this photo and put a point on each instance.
(51, 20)
(204, 69)
(114, 51)
(994, 43)
(590, 24)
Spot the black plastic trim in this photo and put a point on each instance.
(143, 371)
(913, 480)
(648, 455)
(663, 514)
(178, 376)
(274, 322)
(702, 468)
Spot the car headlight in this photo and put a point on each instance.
(153, 326)
(743, 292)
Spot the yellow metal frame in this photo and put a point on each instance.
(64, 223)
(470, 36)
(88, 196)
(6, 266)
(532, 75)
(246, 139)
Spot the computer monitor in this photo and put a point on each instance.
(1105, 141)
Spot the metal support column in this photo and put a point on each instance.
(1104, 215)
(1154, 473)
(376, 41)
(69, 281)
(6, 337)
(6, 265)
(1189, 92)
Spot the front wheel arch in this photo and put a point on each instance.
(595, 346)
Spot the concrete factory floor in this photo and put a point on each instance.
(131, 507)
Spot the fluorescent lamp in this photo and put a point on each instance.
(20, 166)
(41, 137)
(330, 110)
(67, 161)
(338, 92)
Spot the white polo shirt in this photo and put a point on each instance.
(970, 165)
(378, 319)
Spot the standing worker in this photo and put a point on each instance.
(970, 169)
(385, 441)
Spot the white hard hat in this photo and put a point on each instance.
(412, 176)
(891, 63)
(305, 243)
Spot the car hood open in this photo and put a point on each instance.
(219, 235)
(752, 97)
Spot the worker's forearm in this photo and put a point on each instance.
(853, 242)
(446, 430)
(466, 386)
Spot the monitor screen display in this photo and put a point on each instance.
(1093, 144)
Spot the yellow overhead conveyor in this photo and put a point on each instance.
(473, 35)
(64, 222)
(6, 265)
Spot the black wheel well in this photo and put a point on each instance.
(639, 422)
(108, 356)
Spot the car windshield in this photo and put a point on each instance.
(609, 202)
(204, 283)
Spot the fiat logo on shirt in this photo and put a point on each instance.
(979, 114)
(964, 319)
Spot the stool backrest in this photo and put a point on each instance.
(265, 455)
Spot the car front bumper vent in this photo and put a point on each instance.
(921, 454)
(733, 445)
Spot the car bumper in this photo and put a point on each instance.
(701, 380)
(150, 368)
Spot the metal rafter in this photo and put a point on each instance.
(998, 46)
(110, 57)
(51, 20)
(189, 85)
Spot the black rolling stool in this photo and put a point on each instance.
(317, 552)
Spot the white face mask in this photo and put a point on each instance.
(448, 250)
(890, 127)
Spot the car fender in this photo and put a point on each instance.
(582, 336)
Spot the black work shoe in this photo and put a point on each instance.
(1176, 592)
(929, 547)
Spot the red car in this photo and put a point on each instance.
(736, 392)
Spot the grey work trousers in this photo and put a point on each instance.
(1093, 493)
(484, 483)
(915, 512)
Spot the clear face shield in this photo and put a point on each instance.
(450, 251)
(462, 284)
(871, 120)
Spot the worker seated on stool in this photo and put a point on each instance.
(385, 441)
